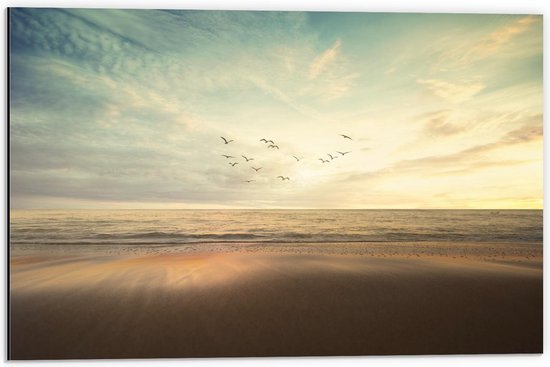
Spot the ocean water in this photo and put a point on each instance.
(173, 227)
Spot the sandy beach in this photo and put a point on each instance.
(174, 304)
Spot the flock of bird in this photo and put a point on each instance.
(273, 145)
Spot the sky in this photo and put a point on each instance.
(126, 109)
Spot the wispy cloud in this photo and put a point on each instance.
(329, 75)
(438, 124)
(332, 86)
(464, 54)
(452, 92)
(525, 134)
(464, 161)
(323, 61)
(496, 39)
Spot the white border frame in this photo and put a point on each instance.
(418, 6)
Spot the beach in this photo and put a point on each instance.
(224, 300)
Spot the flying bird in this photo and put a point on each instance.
(324, 161)
(225, 140)
(297, 159)
(283, 178)
(331, 157)
(273, 146)
(227, 156)
(249, 181)
(256, 169)
(343, 153)
(270, 141)
(233, 164)
(345, 137)
(247, 159)
(265, 141)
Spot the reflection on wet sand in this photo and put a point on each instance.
(172, 270)
(180, 304)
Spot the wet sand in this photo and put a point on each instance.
(154, 304)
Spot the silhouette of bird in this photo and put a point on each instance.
(247, 159)
(227, 156)
(283, 178)
(345, 137)
(297, 159)
(225, 140)
(270, 141)
(343, 153)
(331, 157)
(273, 146)
(233, 164)
(265, 141)
(256, 169)
(249, 181)
(324, 161)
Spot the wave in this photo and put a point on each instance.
(162, 238)
(175, 235)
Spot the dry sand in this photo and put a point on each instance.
(180, 304)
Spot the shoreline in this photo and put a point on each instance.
(426, 248)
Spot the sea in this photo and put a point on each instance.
(174, 227)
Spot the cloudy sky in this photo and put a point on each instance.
(125, 109)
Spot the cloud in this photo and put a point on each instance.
(452, 92)
(438, 124)
(329, 76)
(332, 87)
(464, 54)
(524, 134)
(322, 61)
(464, 161)
(289, 100)
(503, 35)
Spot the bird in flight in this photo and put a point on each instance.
(264, 140)
(345, 137)
(249, 181)
(273, 146)
(233, 164)
(247, 159)
(227, 156)
(324, 161)
(283, 178)
(256, 169)
(343, 153)
(331, 157)
(297, 159)
(225, 140)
